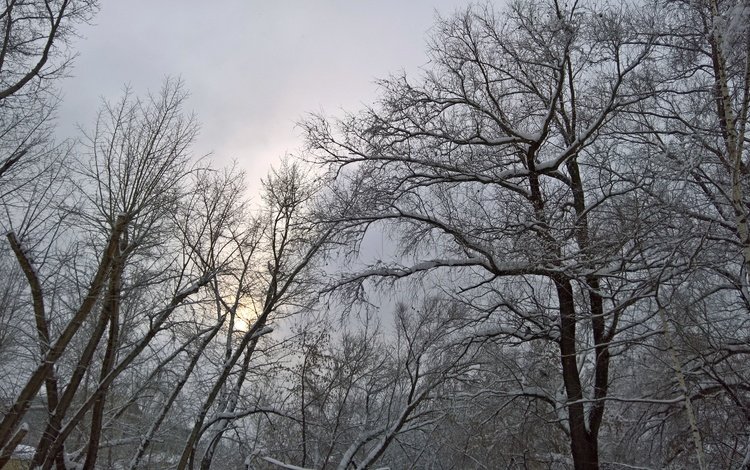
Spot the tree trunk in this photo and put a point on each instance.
(582, 444)
(35, 382)
(111, 311)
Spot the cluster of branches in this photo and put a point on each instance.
(136, 265)
(575, 174)
(139, 282)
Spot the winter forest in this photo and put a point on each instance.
(563, 195)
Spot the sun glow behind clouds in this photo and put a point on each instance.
(246, 316)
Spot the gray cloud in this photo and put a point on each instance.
(253, 67)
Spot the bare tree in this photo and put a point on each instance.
(503, 173)
(138, 169)
(359, 394)
(695, 129)
(275, 275)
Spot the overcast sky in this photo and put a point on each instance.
(253, 67)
